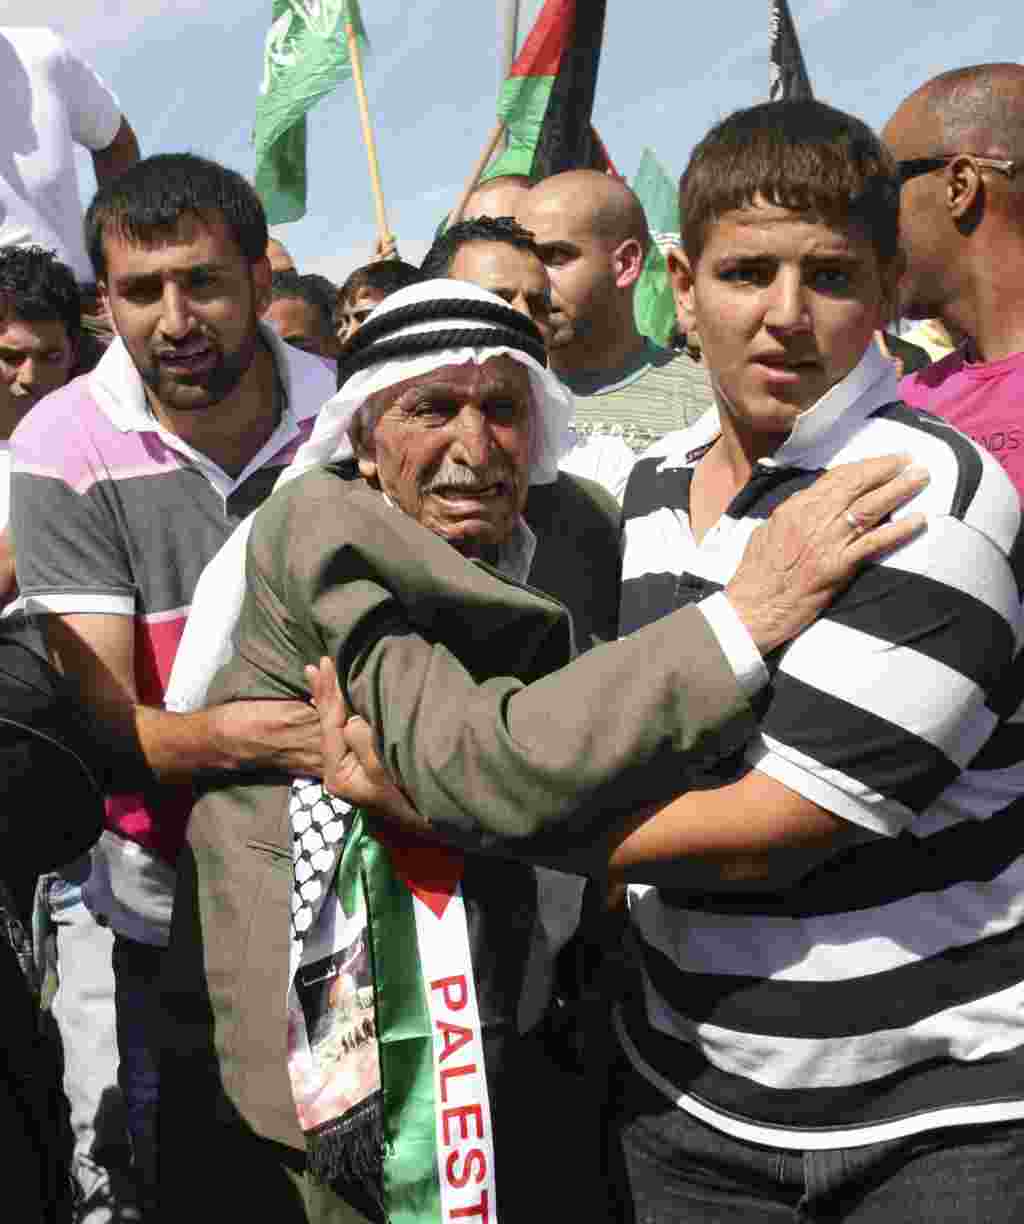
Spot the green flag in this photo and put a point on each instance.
(653, 303)
(305, 56)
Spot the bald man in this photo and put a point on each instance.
(498, 197)
(593, 237)
(959, 141)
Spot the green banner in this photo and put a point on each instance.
(653, 304)
(305, 56)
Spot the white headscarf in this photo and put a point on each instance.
(217, 601)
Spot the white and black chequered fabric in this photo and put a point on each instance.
(319, 822)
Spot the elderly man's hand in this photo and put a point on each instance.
(352, 769)
(816, 541)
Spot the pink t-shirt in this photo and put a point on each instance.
(984, 400)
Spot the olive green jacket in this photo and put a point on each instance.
(492, 730)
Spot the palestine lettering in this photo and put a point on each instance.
(462, 1119)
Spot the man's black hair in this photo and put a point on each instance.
(316, 291)
(37, 288)
(146, 203)
(384, 276)
(799, 155)
(441, 256)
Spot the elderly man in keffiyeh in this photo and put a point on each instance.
(381, 1059)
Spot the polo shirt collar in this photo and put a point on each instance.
(819, 431)
(118, 389)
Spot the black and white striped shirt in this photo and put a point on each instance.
(884, 994)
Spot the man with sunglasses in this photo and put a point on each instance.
(959, 142)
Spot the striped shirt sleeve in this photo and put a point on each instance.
(70, 552)
(881, 704)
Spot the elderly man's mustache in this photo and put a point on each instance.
(469, 480)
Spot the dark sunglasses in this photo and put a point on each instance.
(925, 165)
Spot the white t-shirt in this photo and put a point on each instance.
(51, 100)
(601, 457)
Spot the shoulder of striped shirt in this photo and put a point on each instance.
(967, 483)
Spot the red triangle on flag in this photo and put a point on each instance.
(541, 54)
(429, 871)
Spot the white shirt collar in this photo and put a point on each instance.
(118, 389)
(819, 431)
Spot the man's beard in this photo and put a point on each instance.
(217, 383)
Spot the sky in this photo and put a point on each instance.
(187, 72)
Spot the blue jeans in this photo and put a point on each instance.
(83, 1008)
(136, 980)
(674, 1168)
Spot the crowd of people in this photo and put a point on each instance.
(467, 761)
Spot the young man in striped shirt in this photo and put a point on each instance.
(829, 926)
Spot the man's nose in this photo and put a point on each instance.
(176, 313)
(472, 441)
(28, 373)
(787, 308)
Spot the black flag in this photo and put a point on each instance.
(567, 141)
(788, 81)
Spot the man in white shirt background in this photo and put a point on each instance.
(51, 101)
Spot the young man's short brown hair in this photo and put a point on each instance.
(804, 156)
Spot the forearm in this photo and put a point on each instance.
(149, 745)
(749, 836)
(279, 736)
(178, 747)
(575, 751)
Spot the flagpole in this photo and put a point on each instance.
(492, 143)
(384, 232)
(508, 36)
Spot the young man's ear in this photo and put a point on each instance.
(262, 275)
(628, 260)
(103, 300)
(680, 276)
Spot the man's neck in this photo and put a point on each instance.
(990, 307)
(592, 360)
(233, 431)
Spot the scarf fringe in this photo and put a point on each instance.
(349, 1152)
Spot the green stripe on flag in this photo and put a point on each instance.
(406, 1041)
(305, 57)
(522, 103)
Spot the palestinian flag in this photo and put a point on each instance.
(548, 99)
(653, 303)
(788, 81)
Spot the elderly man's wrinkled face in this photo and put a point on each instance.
(452, 450)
